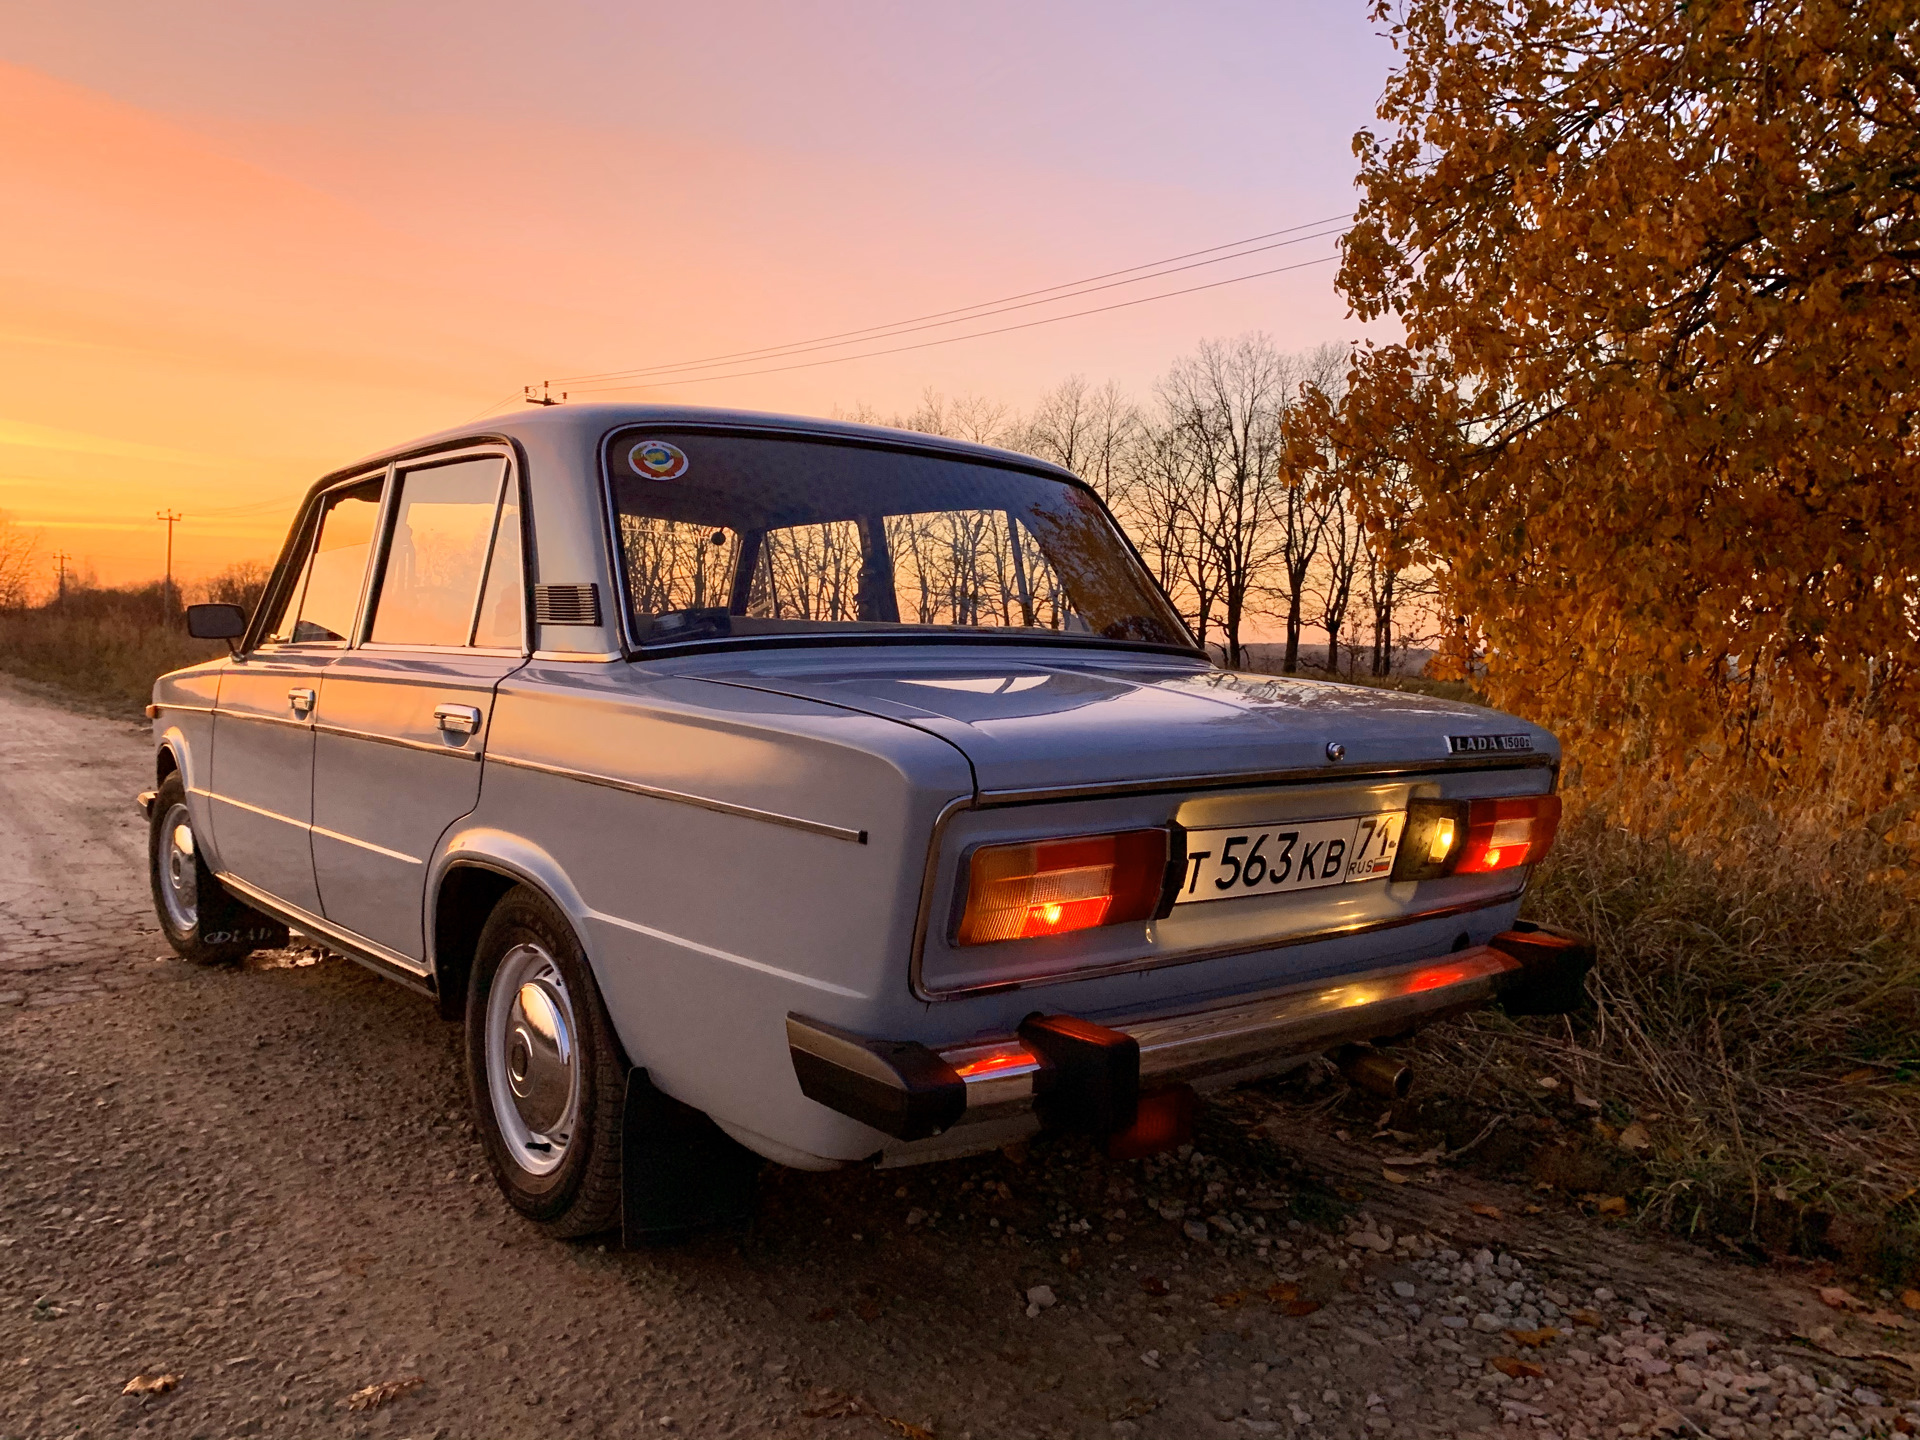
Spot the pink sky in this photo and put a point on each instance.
(242, 244)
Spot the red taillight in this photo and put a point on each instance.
(1503, 834)
(1051, 887)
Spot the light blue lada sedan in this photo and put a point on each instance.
(751, 786)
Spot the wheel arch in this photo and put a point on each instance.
(475, 870)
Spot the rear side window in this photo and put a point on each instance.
(320, 606)
(443, 528)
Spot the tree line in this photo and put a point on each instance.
(1204, 474)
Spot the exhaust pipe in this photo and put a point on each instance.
(1379, 1074)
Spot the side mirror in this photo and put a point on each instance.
(216, 622)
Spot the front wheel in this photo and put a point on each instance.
(544, 1069)
(199, 916)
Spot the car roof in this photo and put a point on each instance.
(570, 426)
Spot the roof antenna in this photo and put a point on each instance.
(545, 397)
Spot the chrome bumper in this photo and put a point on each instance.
(909, 1091)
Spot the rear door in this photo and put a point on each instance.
(403, 722)
(261, 779)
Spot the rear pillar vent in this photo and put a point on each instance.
(566, 604)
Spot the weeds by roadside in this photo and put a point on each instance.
(107, 662)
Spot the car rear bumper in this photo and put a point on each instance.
(1088, 1076)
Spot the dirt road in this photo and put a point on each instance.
(262, 1182)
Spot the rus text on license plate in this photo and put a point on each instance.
(1242, 860)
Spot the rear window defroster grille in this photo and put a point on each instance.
(577, 604)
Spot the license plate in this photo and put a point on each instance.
(1240, 860)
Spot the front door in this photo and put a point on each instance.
(260, 784)
(402, 724)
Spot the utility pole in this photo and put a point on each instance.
(545, 397)
(172, 517)
(60, 558)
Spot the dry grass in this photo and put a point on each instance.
(1757, 1006)
(106, 659)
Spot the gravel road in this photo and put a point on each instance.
(261, 1183)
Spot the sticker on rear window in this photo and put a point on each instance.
(657, 460)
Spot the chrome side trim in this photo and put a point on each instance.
(259, 719)
(254, 809)
(176, 705)
(363, 844)
(428, 746)
(654, 792)
(1111, 789)
(1228, 1037)
(375, 956)
(597, 656)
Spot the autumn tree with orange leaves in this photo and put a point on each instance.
(1655, 266)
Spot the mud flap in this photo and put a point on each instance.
(678, 1170)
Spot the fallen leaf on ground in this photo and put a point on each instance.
(150, 1384)
(1860, 1076)
(1584, 1100)
(1230, 1299)
(1533, 1210)
(1887, 1320)
(831, 1406)
(1136, 1406)
(1823, 1337)
(1839, 1298)
(1635, 1137)
(1613, 1204)
(1393, 1177)
(1298, 1308)
(1154, 1285)
(1492, 1212)
(1547, 1082)
(1910, 1299)
(1518, 1369)
(1534, 1339)
(387, 1391)
(1425, 1157)
(1282, 1293)
(824, 1314)
(901, 1427)
(1589, 1318)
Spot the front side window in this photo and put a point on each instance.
(318, 608)
(738, 535)
(443, 526)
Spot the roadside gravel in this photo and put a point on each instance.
(261, 1182)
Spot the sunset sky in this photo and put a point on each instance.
(241, 244)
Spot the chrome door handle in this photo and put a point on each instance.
(457, 719)
(300, 699)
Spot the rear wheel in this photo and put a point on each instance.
(201, 919)
(545, 1072)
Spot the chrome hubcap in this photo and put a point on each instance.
(179, 877)
(533, 1069)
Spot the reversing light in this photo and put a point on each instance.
(1475, 837)
(1054, 887)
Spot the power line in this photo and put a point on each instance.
(968, 312)
(954, 339)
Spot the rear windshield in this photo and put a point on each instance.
(724, 535)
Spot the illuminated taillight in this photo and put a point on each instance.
(1473, 837)
(1504, 834)
(1052, 887)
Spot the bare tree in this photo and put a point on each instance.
(1225, 406)
(1342, 544)
(17, 549)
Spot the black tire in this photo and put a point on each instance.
(555, 1155)
(200, 917)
